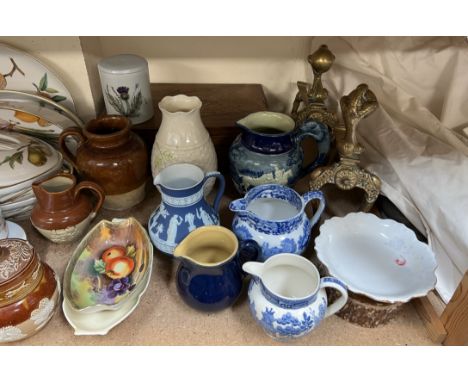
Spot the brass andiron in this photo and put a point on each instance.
(312, 97)
(347, 174)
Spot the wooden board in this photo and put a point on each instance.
(455, 315)
(431, 320)
(223, 105)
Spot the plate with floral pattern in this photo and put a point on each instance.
(23, 72)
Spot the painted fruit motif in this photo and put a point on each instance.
(119, 267)
(116, 262)
(31, 118)
(112, 253)
(25, 117)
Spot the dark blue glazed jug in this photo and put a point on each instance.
(209, 277)
(268, 151)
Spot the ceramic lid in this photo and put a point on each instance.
(23, 157)
(123, 64)
(15, 257)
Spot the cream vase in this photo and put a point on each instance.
(182, 137)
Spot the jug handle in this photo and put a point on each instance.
(95, 188)
(71, 132)
(222, 183)
(249, 250)
(332, 282)
(319, 132)
(318, 195)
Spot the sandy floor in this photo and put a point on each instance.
(162, 318)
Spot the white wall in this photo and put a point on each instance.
(275, 62)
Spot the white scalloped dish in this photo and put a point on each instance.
(379, 258)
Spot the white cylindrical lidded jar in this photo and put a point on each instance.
(126, 87)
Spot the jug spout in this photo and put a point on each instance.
(254, 268)
(181, 251)
(238, 205)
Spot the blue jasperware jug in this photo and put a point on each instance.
(269, 150)
(183, 207)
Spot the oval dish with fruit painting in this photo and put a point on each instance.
(108, 266)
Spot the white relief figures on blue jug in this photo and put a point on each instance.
(174, 222)
(182, 209)
(205, 217)
(189, 218)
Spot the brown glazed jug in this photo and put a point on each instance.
(63, 211)
(110, 154)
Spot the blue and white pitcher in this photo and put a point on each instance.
(268, 150)
(274, 216)
(183, 207)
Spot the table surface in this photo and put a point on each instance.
(162, 318)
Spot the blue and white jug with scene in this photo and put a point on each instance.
(268, 150)
(183, 206)
(274, 216)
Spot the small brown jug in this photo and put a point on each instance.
(110, 154)
(63, 212)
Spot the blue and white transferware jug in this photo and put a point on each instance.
(274, 216)
(183, 207)
(269, 150)
(287, 296)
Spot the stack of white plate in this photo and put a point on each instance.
(23, 160)
(33, 100)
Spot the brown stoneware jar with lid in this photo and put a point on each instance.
(29, 291)
(63, 210)
(110, 154)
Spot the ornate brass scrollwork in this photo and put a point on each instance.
(347, 174)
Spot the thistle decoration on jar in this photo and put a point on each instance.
(125, 104)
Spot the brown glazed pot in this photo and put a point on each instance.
(110, 154)
(29, 291)
(63, 211)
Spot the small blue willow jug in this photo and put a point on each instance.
(287, 296)
(274, 216)
(183, 207)
(269, 150)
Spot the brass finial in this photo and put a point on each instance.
(312, 97)
(320, 61)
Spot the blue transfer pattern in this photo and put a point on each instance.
(285, 303)
(285, 236)
(288, 324)
(258, 159)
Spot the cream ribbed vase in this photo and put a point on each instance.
(182, 137)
